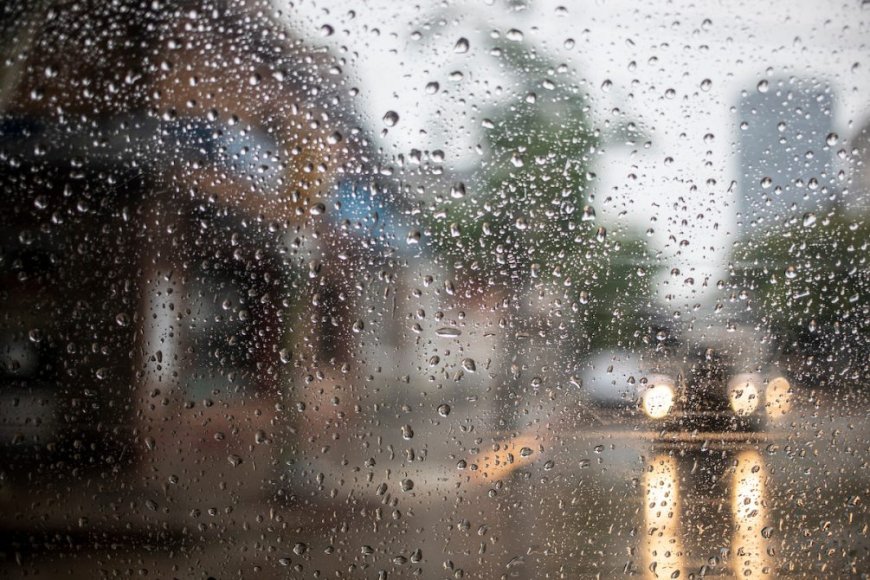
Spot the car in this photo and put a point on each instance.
(709, 385)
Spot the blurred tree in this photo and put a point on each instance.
(810, 280)
(526, 214)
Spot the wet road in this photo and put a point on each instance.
(547, 502)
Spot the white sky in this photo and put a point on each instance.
(733, 44)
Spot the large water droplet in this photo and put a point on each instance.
(391, 118)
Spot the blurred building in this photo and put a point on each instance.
(165, 240)
(786, 164)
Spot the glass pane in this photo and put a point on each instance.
(501, 289)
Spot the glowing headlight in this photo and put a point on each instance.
(777, 398)
(657, 400)
(743, 394)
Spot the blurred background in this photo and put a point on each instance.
(501, 289)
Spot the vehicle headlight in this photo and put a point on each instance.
(743, 394)
(657, 400)
(777, 398)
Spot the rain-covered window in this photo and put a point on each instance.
(470, 289)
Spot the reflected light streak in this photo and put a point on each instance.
(749, 558)
(663, 551)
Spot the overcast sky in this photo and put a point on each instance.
(627, 56)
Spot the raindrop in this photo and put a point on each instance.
(461, 46)
(706, 85)
(514, 35)
(432, 88)
(391, 118)
(444, 409)
(448, 332)
(762, 86)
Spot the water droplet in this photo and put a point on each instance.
(766, 182)
(327, 30)
(448, 332)
(469, 365)
(461, 46)
(762, 86)
(809, 220)
(407, 484)
(407, 432)
(832, 139)
(391, 118)
(514, 35)
(432, 88)
(457, 191)
(234, 460)
(706, 85)
(606, 85)
(358, 326)
(444, 409)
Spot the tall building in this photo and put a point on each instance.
(786, 160)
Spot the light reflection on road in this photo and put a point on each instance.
(663, 551)
(665, 525)
(749, 556)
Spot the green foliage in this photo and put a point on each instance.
(810, 279)
(525, 215)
